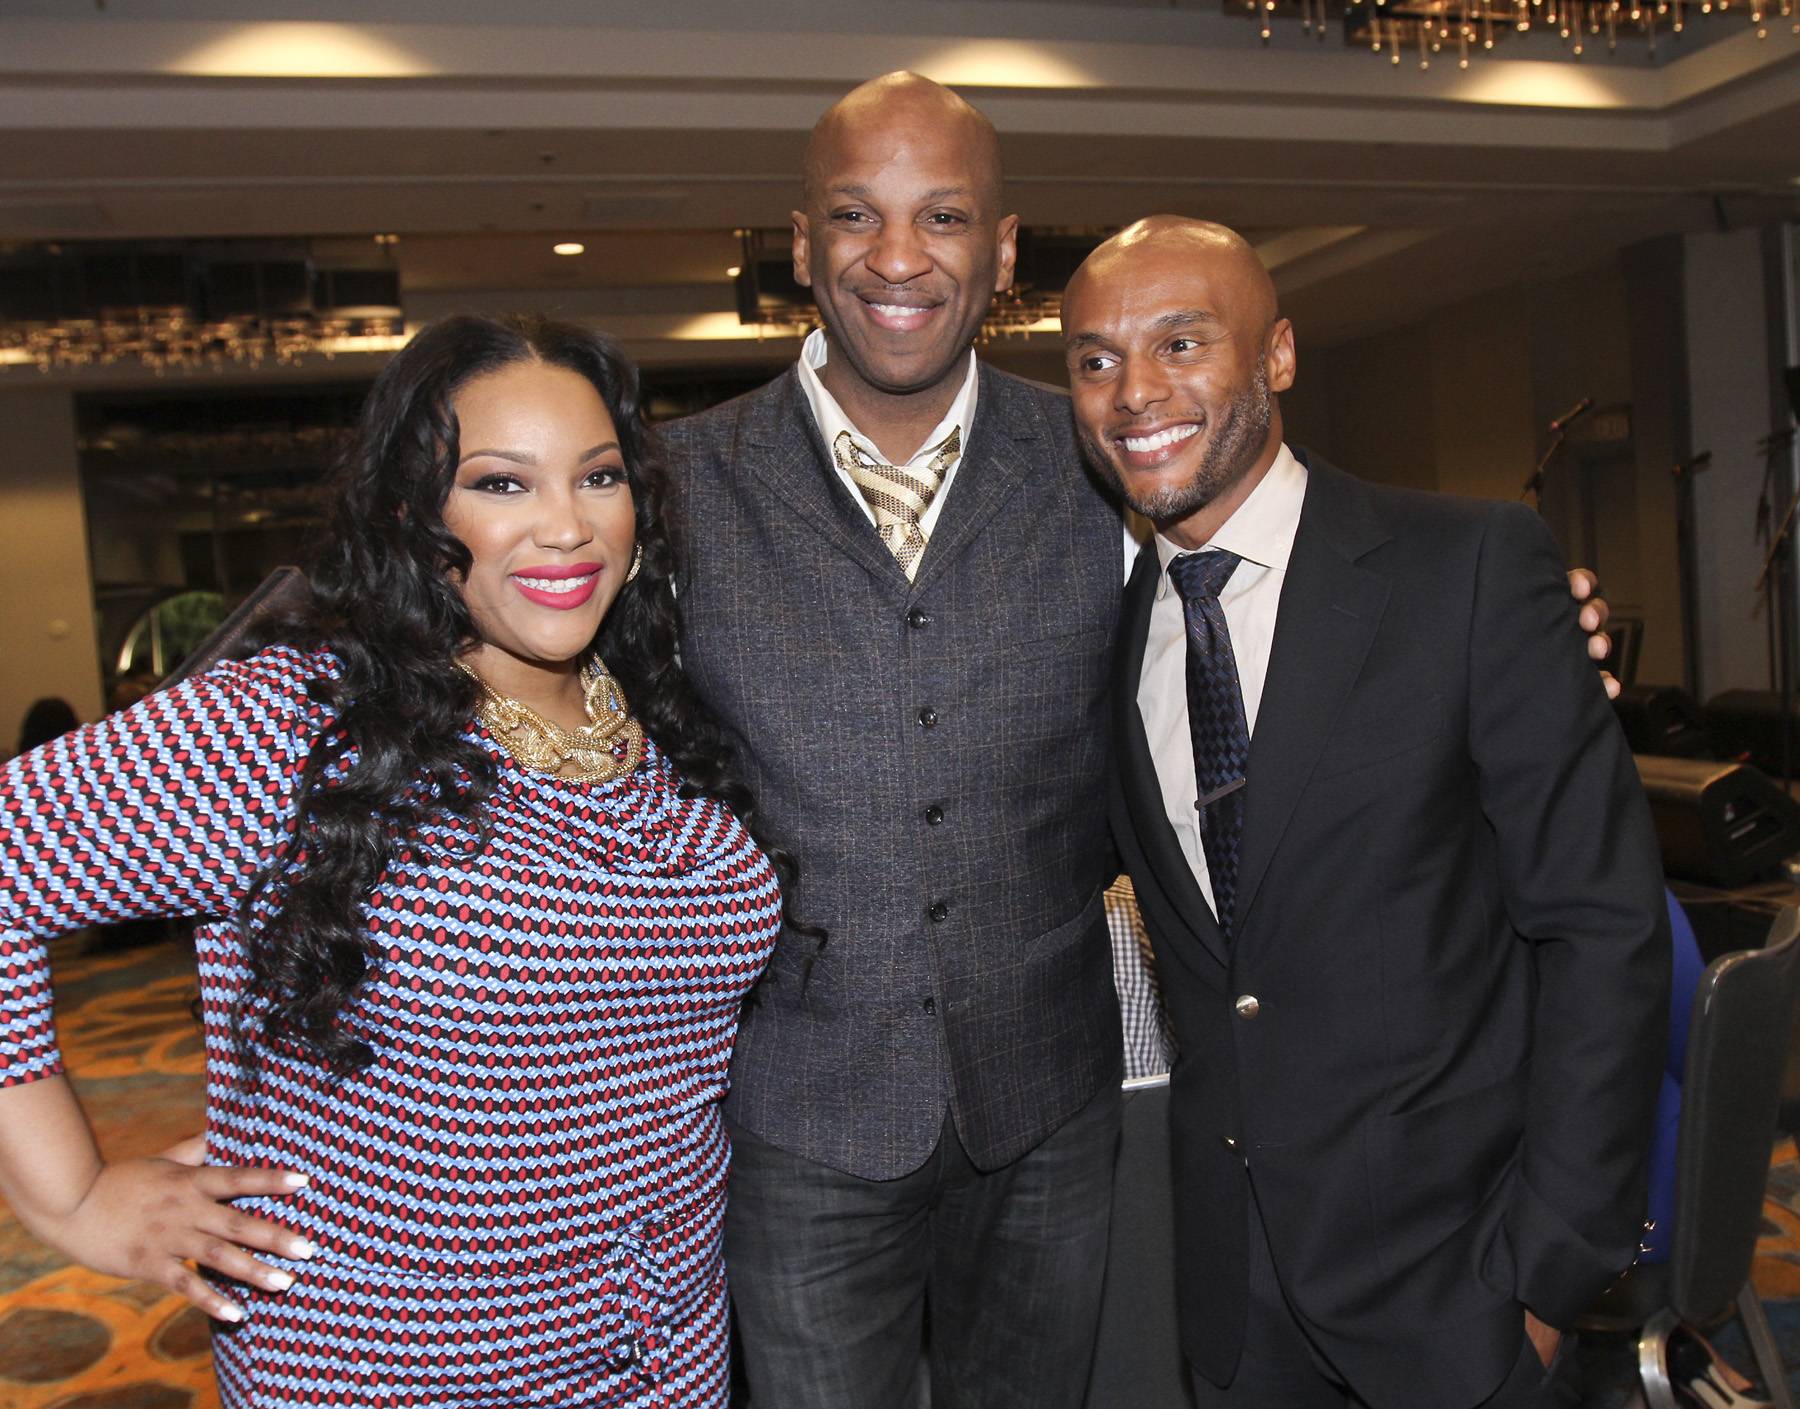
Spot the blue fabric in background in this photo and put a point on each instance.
(1684, 982)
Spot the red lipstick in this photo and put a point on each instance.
(547, 585)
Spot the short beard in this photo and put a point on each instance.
(1238, 438)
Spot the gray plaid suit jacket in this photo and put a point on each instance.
(935, 754)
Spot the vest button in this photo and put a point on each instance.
(928, 716)
(928, 1003)
(939, 911)
(1247, 1007)
(933, 815)
(917, 619)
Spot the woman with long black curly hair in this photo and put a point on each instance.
(490, 906)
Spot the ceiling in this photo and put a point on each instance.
(651, 133)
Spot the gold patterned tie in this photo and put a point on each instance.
(899, 497)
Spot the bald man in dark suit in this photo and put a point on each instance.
(1396, 866)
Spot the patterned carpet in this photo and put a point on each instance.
(69, 1337)
(72, 1340)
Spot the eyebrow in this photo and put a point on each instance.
(519, 457)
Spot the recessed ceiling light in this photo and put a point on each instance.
(570, 247)
(733, 272)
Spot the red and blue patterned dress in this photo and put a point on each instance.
(519, 1201)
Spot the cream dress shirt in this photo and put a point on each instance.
(831, 419)
(1261, 532)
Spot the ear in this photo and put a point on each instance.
(1278, 356)
(1006, 245)
(802, 249)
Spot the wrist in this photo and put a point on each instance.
(49, 1163)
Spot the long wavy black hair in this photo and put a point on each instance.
(386, 600)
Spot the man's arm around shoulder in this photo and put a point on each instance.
(1582, 883)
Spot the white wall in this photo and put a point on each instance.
(1728, 378)
(47, 639)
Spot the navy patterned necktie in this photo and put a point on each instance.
(1215, 718)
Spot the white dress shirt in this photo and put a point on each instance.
(1261, 532)
(831, 419)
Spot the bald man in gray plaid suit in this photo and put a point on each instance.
(900, 597)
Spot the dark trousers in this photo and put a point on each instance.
(1281, 1367)
(831, 1274)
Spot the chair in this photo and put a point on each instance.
(1627, 634)
(282, 590)
(1737, 1052)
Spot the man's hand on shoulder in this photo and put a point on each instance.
(1584, 587)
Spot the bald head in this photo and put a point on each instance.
(903, 242)
(905, 107)
(1224, 256)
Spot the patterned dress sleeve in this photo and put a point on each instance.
(168, 808)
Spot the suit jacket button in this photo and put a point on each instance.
(928, 716)
(928, 1003)
(933, 815)
(1247, 1007)
(939, 911)
(917, 619)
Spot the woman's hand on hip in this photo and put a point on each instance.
(149, 1218)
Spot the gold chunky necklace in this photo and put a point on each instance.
(608, 746)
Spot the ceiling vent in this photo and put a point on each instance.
(39, 218)
(628, 208)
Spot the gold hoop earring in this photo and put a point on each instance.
(637, 561)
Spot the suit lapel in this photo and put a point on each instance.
(1330, 610)
(783, 449)
(1143, 793)
(1003, 443)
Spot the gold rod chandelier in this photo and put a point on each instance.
(1431, 27)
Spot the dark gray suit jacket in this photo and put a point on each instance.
(1450, 914)
(935, 754)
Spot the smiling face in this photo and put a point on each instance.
(1175, 355)
(540, 500)
(902, 240)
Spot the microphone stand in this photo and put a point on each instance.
(1534, 487)
(1775, 583)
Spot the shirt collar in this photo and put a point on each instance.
(1263, 528)
(831, 419)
